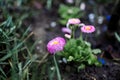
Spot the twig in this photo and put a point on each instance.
(91, 77)
(42, 60)
(28, 36)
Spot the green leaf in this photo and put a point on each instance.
(67, 12)
(82, 66)
(62, 21)
(96, 51)
(89, 61)
(70, 58)
(98, 64)
(2, 72)
(117, 36)
(87, 43)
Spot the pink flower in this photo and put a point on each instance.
(70, 1)
(66, 30)
(88, 29)
(55, 45)
(73, 21)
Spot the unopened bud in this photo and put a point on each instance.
(68, 36)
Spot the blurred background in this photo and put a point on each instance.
(26, 26)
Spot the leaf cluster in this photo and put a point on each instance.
(67, 12)
(80, 51)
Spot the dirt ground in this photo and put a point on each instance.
(45, 27)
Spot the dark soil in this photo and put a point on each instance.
(41, 26)
(110, 71)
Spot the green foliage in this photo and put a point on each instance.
(17, 61)
(117, 36)
(12, 48)
(79, 51)
(67, 12)
(15, 49)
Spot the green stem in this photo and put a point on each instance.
(73, 28)
(86, 37)
(49, 4)
(81, 37)
(57, 69)
(73, 33)
(77, 2)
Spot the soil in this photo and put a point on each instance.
(43, 32)
(109, 71)
(45, 28)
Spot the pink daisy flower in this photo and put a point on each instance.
(74, 21)
(66, 30)
(88, 29)
(55, 45)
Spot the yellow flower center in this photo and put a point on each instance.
(74, 20)
(87, 28)
(55, 42)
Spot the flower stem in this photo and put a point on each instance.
(57, 69)
(73, 28)
(73, 33)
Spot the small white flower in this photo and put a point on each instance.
(91, 17)
(53, 24)
(82, 6)
(52, 68)
(64, 60)
(68, 36)
(100, 19)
